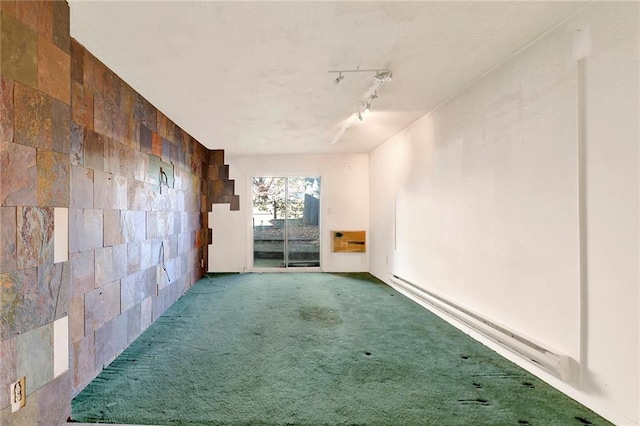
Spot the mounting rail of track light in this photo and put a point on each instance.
(382, 75)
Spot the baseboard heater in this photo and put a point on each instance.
(556, 364)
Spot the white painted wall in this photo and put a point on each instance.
(478, 201)
(344, 203)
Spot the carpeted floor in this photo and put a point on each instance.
(311, 349)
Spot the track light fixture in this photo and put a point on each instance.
(383, 75)
(380, 77)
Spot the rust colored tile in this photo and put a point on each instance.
(178, 137)
(28, 12)
(77, 61)
(111, 92)
(163, 124)
(216, 156)
(54, 68)
(34, 236)
(76, 142)
(53, 178)
(133, 134)
(235, 203)
(190, 144)
(61, 122)
(94, 73)
(18, 175)
(38, 15)
(45, 21)
(111, 156)
(229, 187)
(127, 99)
(81, 105)
(32, 117)
(8, 7)
(218, 190)
(156, 144)
(61, 25)
(18, 51)
(6, 109)
(93, 151)
(198, 238)
(8, 224)
(119, 126)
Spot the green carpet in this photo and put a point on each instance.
(311, 349)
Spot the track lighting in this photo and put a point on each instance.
(380, 77)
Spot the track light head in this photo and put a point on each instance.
(339, 79)
(359, 116)
(382, 76)
(375, 95)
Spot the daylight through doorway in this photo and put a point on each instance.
(286, 222)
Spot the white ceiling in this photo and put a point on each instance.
(252, 77)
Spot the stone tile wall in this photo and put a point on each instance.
(35, 114)
(74, 135)
(137, 238)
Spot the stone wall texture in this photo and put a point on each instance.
(138, 189)
(35, 167)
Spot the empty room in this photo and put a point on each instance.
(319, 212)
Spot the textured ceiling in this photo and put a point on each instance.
(252, 77)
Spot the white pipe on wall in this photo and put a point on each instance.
(556, 364)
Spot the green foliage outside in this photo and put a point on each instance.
(270, 195)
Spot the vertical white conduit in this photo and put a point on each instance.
(581, 50)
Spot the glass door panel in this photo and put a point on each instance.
(268, 222)
(286, 230)
(303, 230)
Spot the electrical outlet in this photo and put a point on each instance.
(18, 394)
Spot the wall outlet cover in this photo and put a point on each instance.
(18, 394)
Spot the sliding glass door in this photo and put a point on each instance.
(286, 222)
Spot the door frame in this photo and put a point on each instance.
(249, 220)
